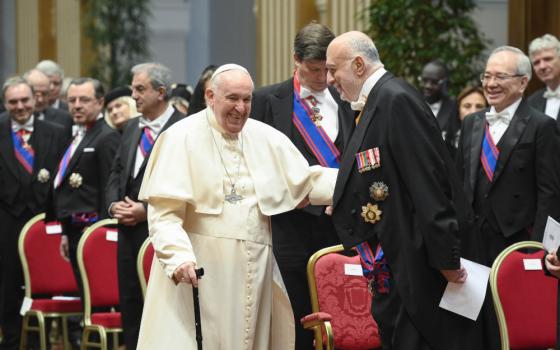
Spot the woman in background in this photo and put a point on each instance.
(470, 100)
(198, 101)
(120, 107)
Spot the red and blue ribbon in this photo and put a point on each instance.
(314, 136)
(146, 142)
(489, 154)
(23, 152)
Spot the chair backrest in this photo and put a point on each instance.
(44, 269)
(344, 296)
(144, 263)
(525, 300)
(97, 259)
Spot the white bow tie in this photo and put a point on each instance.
(551, 94)
(27, 126)
(494, 118)
(153, 125)
(78, 130)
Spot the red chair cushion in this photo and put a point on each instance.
(50, 305)
(49, 272)
(100, 261)
(529, 300)
(348, 301)
(107, 319)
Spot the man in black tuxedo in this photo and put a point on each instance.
(319, 127)
(544, 52)
(40, 83)
(398, 201)
(151, 88)
(56, 78)
(29, 149)
(83, 171)
(509, 161)
(433, 82)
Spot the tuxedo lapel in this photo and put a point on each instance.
(90, 135)
(132, 146)
(541, 101)
(511, 137)
(347, 162)
(479, 126)
(7, 147)
(345, 120)
(40, 143)
(282, 107)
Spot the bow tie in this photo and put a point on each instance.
(28, 126)
(153, 125)
(359, 104)
(494, 118)
(78, 130)
(551, 94)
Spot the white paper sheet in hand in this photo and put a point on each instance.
(551, 238)
(466, 299)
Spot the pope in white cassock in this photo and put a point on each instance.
(212, 182)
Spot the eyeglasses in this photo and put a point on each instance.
(499, 78)
(426, 81)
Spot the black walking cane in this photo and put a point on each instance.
(199, 273)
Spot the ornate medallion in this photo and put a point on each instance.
(75, 180)
(371, 213)
(43, 176)
(379, 191)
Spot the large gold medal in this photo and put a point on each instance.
(371, 213)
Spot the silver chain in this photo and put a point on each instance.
(222, 159)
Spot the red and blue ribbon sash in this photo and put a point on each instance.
(489, 154)
(63, 165)
(146, 142)
(84, 218)
(375, 267)
(23, 151)
(314, 136)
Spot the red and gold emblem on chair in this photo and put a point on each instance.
(371, 213)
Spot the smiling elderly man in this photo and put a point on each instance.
(212, 183)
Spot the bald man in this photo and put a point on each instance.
(398, 200)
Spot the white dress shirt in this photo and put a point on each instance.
(552, 102)
(498, 128)
(328, 110)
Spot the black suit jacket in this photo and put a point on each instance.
(526, 185)
(425, 214)
(538, 102)
(122, 169)
(18, 189)
(273, 105)
(60, 117)
(92, 160)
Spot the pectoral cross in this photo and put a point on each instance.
(233, 197)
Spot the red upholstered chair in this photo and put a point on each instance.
(47, 274)
(340, 303)
(525, 300)
(144, 263)
(97, 259)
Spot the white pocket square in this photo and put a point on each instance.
(89, 149)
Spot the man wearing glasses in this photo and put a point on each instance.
(433, 84)
(509, 161)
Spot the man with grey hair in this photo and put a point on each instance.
(29, 150)
(544, 52)
(40, 83)
(56, 77)
(151, 84)
(321, 126)
(508, 159)
(230, 174)
(399, 203)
